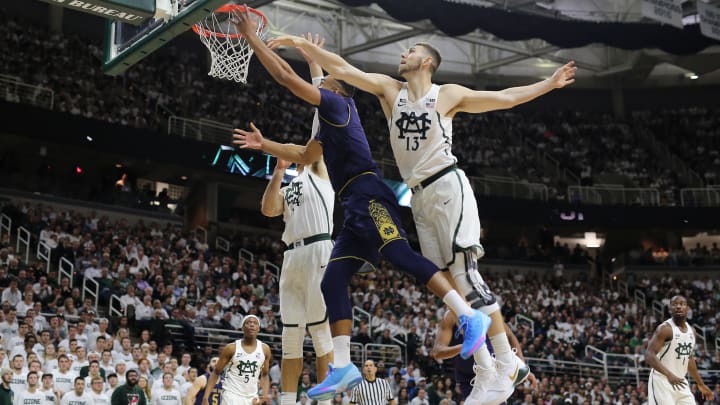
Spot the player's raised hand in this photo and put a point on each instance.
(316, 40)
(248, 139)
(282, 164)
(286, 40)
(564, 75)
(244, 22)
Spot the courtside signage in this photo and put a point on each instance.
(128, 11)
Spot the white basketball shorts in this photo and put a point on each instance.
(301, 300)
(446, 217)
(228, 398)
(660, 392)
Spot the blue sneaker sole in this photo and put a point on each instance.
(329, 394)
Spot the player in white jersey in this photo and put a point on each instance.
(244, 362)
(419, 115)
(167, 394)
(77, 396)
(307, 205)
(671, 354)
(31, 395)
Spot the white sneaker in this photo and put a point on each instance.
(516, 372)
(489, 387)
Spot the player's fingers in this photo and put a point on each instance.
(322, 42)
(254, 128)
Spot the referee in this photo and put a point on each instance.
(372, 391)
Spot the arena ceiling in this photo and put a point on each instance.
(373, 40)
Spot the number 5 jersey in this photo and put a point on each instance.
(243, 371)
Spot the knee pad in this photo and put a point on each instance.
(321, 338)
(292, 342)
(477, 293)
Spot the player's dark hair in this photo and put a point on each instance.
(434, 54)
(347, 89)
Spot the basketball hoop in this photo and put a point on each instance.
(229, 51)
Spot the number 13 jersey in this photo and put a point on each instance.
(243, 371)
(421, 139)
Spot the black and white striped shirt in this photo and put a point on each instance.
(375, 392)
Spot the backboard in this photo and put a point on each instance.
(126, 44)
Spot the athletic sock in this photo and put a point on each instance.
(483, 358)
(457, 304)
(288, 398)
(341, 351)
(501, 347)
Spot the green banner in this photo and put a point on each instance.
(127, 11)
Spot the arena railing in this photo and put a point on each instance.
(640, 299)
(17, 91)
(701, 335)
(245, 256)
(23, 240)
(220, 133)
(522, 319)
(609, 194)
(700, 197)
(43, 253)
(91, 288)
(222, 244)
(658, 309)
(360, 314)
(622, 286)
(66, 269)
(509, 187)
(115, 307)
(201, 130)
(217, 338)
(5, 225)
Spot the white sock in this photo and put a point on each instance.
(288, 398)
(457, 304)
(483, 358)
(325, 402)
(341, 350)
(502, 349)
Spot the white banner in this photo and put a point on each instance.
(709, 20)
(664, 11)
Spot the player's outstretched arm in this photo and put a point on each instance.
(462, 99)
(272, 204)
(705, 391)
(254, 139)
(441, 350)
(339, 68)
(662, 334)
(274, 64)
(195, 389)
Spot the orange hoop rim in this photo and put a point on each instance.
(228, 8)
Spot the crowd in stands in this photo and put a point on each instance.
(166, 275)
(597, 148)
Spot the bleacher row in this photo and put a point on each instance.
(646, 158)
(190, 295)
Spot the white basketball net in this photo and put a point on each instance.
(229, 51)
